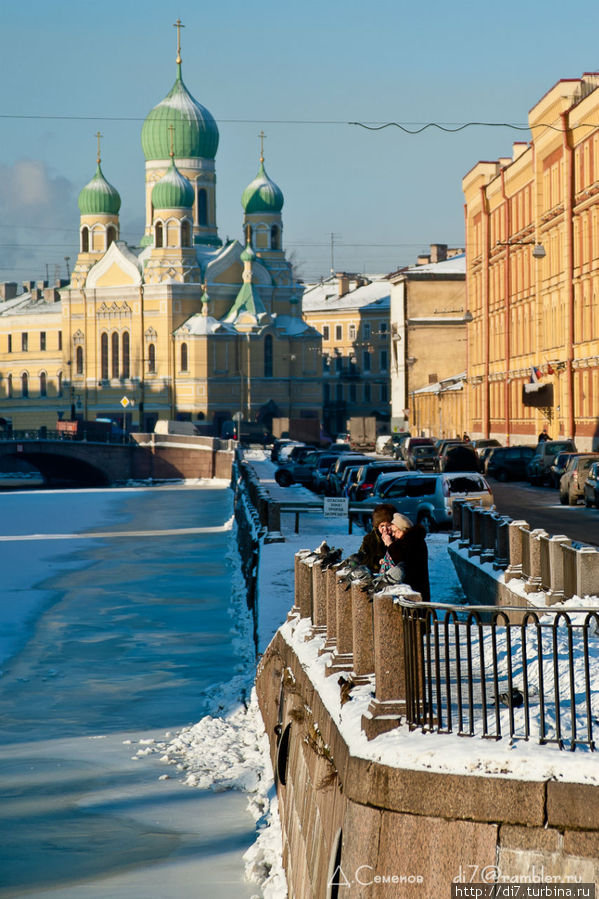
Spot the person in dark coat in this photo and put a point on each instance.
(405, 545)
(372, 548)
(544, 435)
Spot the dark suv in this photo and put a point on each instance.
(538, 469)
(508, 463)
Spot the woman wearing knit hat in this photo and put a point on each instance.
(405, 545)
(372, 548)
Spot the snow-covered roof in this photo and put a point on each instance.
(324, 296)
(291, 326)
(25, 304)
(456, 265)
(199, 325)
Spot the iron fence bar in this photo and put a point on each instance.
(556, 690)
(483, 677)
(428, 692)
(510, 679)
(458, 655)
(524, 650)
(448, 678)
(587, 675)
(438, 677)
(572, 688)
(495, 677)
(470, 691)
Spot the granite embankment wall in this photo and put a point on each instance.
(357, 827)
(165, 456)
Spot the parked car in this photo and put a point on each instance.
(384, 444)
(538, 468)
(320, 478)
(571, 485)
(285, 451)
(421, 458)
(277, 446)
(427, 499)
(304, 472)
(461, 457)
(333, 487)
(411, 442)
(484, 443)
(485, 454)
(558, 467)
(508, 463)
(348, 479)
(591, 487)
(367, 476)
(441, 446)
(299, 453)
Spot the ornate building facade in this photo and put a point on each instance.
(532, 248)
(181, 326)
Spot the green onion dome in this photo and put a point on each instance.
(195, 133)
(99, 197)
(262, 195)
(248, 254)
(173, 191)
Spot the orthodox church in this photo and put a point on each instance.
(181, 326)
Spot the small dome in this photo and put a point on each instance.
(173, 191)
(99, 197)
(248, 254)
(262, 195)
(195, 133)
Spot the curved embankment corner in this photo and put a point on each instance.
(353, 827)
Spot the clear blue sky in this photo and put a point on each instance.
(385, 195)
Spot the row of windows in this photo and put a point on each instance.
(97, 239)
(252, 237)
(343, 363)
(24, 342)
(356, 393)
(25, 387)
(352, 331)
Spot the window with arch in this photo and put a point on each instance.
(85, 240)
(202, 206)
(110, 235)
(185, 233)
(158, 235)
(24, 384)
(152, 358)
(9, 389)
(115, 354)
(43, 384)
(184, 357)
(126, 365)
(268, 356)
(275, 238)
(104, 356)
(79, 360)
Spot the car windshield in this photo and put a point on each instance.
(463, 484)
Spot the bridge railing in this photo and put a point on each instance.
(48, 434)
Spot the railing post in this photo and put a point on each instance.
(502, 543)
(273, 513)
(456, 519)
(465, 529)
(476, 521)
(514, 569)
(319, 598)
(569, 555)
(362, 633)
(305, 586)
(331, 604)
(555, 587)
(587, 572)
(389, 703)
(300, 554)
(490, 523)
(534, 581)
(342, 659)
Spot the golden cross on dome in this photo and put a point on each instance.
(178, 25)
(262, 136)
(171, 128)
(98, 136)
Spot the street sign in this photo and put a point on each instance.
(336, 506)
(126, 402)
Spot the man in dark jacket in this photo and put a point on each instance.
(406, 545)
(372, 548)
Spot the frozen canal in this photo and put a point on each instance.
(111, 627)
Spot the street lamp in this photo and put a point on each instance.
(538, 252)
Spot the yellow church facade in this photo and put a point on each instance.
(179, 327)
(532, 249)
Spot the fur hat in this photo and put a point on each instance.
(401, 521)
(381, 513)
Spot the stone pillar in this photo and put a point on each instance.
(456, 519)
(555, 589)
(389, 703)
(534, 581)
(362, 633)
(502, 543)
(300, 554)
(490, 523)
(274, 534)
(342, 659)
(305, 587)
(476, 520)
(587, 571)
(331, 602)
(570, 560)
(319, 598)
(514, 569)
(466, 524)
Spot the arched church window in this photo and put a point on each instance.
(152, 358)
(126, 369)
(79, 360)
(115, 354)
(24, 384)
(185, 234)
(85, 240)
(249, 235)
(202, 207)
(183, 357)
(43, 384)
(104, 356)
(110, 235)
(158, 238)
(275, 235)
(268, 356)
